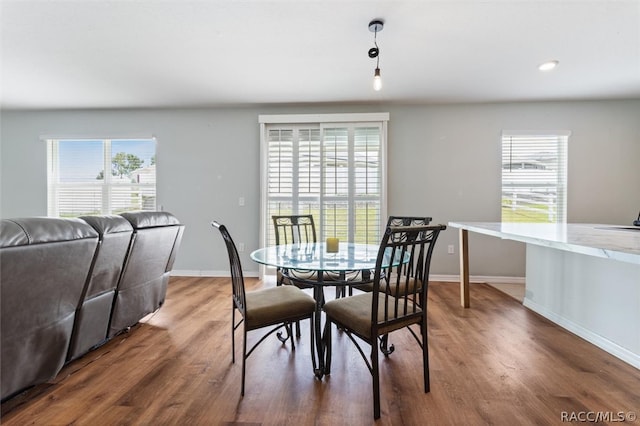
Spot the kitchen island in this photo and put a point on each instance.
(584, 277)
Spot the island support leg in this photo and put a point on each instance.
(464, 268)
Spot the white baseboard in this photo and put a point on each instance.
(199, 273)
(604, 344)
(432, 277)
(478, 279)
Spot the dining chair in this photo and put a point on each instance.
(396, 221)
(393, 303)
(292, 229)
(275, 306)
(386, 348)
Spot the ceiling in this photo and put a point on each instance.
(183, 53)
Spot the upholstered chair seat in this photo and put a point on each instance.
(275, 305)
(354, 312)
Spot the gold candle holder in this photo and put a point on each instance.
(333, 245)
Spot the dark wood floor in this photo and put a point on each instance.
(496, 363)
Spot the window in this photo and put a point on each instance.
(331, 166)
(534, 177)
(100, 176)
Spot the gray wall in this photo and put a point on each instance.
(444, 161)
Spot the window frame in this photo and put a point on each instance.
(561, 174)
(107, 184)
(321, 121)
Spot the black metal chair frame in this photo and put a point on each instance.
(385, 347)
(239, 303)
(290, 229)
(408, 306)
(408, 220)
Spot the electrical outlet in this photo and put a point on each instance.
(240, 247)
(450, 249)
(241, 201)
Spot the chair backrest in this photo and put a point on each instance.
(402, 287)
(237, 279)
(294, 229)
(408, 220)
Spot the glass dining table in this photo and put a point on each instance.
(310, 264)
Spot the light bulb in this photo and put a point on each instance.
(377, 81)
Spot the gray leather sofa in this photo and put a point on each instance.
(69, 285)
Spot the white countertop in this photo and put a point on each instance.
(616, 242)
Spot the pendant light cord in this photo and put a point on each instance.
(375, 43)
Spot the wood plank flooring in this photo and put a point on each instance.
(496, 363)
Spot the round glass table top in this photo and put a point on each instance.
(314, 257)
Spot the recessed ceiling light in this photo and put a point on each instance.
(548, 66)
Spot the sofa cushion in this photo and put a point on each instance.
(39, 230)
(108, 224)
(145, 219)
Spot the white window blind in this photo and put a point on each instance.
(534, 177)
(100, 176)
(334, 171)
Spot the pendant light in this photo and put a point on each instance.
(376, 26)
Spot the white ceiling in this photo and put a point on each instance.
(177, 53)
